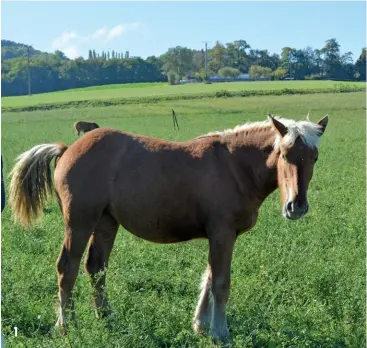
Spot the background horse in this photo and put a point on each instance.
(210, 187)
(85, 127)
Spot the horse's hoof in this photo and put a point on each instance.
(60, 327)
(220, 336)
(200, 327)
(103, 313)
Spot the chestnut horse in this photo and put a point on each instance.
(166, 192)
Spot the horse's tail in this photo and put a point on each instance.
(31, 181)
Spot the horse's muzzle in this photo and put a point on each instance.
(293, 211)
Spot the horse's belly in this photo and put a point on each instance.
(161, 212)
(161, 230)
(166, 235)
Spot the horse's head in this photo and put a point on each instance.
(297, 142)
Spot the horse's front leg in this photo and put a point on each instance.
(203, 312)
(221, 244)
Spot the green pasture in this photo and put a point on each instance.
(143, 90)
(294, 284)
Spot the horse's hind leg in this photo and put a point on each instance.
(96, 262)
(78, 231)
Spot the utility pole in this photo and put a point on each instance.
(290, 64)
(29, 73)
(180, 65)
(206, 60)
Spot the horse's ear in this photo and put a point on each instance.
(280, 127)
(323, 123)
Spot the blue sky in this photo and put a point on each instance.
(150, 28)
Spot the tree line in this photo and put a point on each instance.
(92, 54)
(54, 71)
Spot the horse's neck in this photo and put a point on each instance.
(256, 159)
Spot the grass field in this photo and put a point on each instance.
(294, 284)
(159, 89)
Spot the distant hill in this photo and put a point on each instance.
(11, 49)
(51, 72)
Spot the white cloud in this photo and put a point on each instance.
(67, 42)
(120, 29)
(115, 32)
(99, 33)
(71, 51)
(63, 39)
(72, 44)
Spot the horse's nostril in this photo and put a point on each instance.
(290, 206)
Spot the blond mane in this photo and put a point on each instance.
(308, 131)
